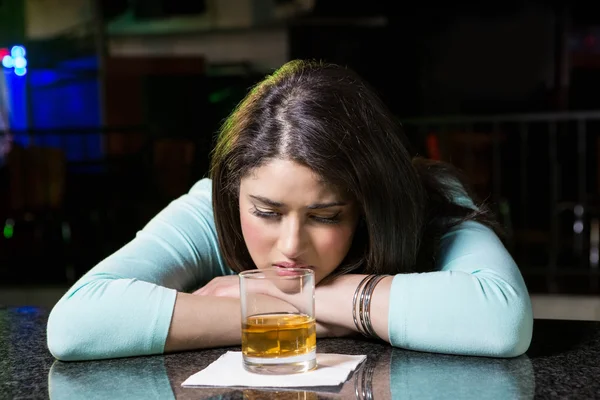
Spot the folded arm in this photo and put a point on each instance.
(124, 305)
(476, 304)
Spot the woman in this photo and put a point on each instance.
(310, 170)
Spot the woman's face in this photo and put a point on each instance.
(291, 218)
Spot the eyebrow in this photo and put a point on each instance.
(316, 206)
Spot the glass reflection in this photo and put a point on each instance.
(251, 394)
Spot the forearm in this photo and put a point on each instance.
(204, 322)
(334, 303)
(459, 313)
(447, 312)
(215, 321)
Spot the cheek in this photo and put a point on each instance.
(334, 244)
(255, 236)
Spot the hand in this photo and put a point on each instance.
(333, 331)
(229, 286)
(221, 286)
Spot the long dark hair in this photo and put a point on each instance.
(327, 118)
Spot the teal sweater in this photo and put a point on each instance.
(475, 303)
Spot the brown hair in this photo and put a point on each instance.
(327, 118)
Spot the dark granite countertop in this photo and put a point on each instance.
(563, 362)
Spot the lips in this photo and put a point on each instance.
(285, 264)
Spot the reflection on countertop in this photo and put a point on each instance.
(562, 361)
(388, 373)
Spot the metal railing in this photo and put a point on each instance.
(541, 165)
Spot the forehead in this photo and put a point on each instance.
(280, 179)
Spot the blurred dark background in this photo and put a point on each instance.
(109, 109)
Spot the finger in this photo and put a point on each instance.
(227, 292)
(202, 291)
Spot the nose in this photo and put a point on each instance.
(292, 241)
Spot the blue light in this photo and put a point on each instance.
(16, 60)
(17, 51)
(7, 61)
(20, 62)
(27, 310)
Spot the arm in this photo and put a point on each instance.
(123, 306)
(220, 304)
(476, 304)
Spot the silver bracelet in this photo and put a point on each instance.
(361, 305)
(367, 306)
(354, 305)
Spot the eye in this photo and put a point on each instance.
(265, 214)
(334, 219)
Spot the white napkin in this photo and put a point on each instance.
(227, 370)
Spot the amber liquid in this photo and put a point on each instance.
(278, 335)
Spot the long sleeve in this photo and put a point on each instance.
(476, 303)
(123, 306)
